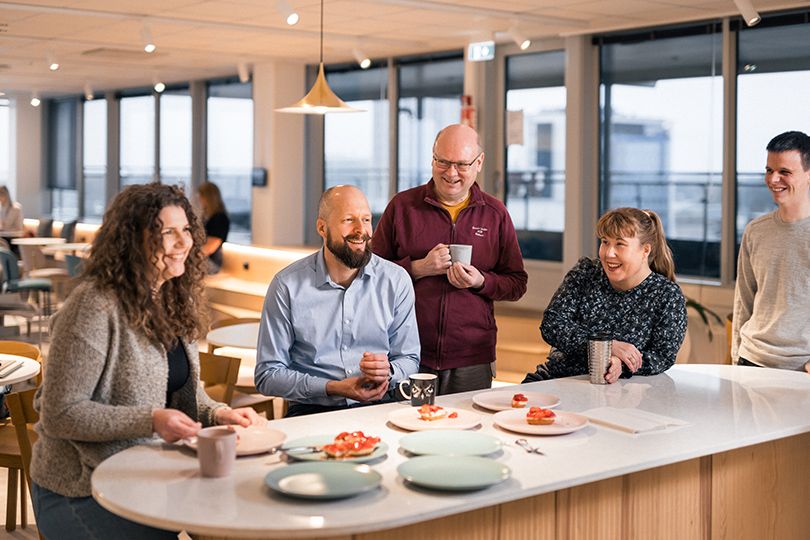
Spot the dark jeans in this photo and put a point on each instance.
(303, 409)
(744, 362)
(82, 518)
(463, 379)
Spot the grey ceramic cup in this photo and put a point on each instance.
(461, 253)
(420, 388)
(216, 450)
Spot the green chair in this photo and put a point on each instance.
(13, 284)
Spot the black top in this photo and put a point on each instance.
(178, 370)
(218, 226)
(651, 316)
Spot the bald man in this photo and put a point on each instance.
(338, 328)
(454, 301)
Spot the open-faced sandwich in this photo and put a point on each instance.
(349, 445)
(538, 416)
(519, 401)
(431, 412)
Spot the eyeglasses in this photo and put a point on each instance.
(443, 164)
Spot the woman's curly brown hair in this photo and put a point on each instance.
(123, 261)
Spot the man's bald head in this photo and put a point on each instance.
(460, 135)
(338, 197)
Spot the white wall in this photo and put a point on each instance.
(25, 170)
(278, 209)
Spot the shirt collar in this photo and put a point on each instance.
(322, 275)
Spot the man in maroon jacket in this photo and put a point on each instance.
(454, 301)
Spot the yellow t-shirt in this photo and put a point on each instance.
(457, 208)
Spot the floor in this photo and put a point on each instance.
(29, 532)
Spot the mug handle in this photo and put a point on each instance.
(402, 390)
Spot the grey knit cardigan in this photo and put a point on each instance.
(102, 381)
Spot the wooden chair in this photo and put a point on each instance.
(229, 322)
(729, 335)
(11, 456)
(23, 417)
(219, 375)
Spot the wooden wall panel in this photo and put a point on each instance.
(479, 524)
(592, 511)
(762, 491)
(529, 519)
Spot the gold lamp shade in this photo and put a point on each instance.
(319, 100)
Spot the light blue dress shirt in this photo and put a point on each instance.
(314, 330)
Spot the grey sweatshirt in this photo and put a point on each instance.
(771, 324)
(102, 381)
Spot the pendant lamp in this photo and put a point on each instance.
(320, 99)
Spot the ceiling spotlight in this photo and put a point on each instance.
(290, 15)
(363, 60)
(749, 14)
(159, 87)
(88, 92)
(146, 38)
(50, 58)
(244, 72)
(519, 39)
(35, 100)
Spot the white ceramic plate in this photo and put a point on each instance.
(408, 418)
(450, 443)
(502, 401)
(319, 440)
(453, 473)
(252, 440)
(320, 480)
(515, 420)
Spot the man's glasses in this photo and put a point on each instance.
(443, 164)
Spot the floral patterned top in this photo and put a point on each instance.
(651, 316)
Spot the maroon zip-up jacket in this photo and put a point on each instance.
(456, 326)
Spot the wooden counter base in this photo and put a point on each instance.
(753, 492)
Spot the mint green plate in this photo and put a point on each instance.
(320, 480)
(320, 440)
(450, 443)
(453, 473)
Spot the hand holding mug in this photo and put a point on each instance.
(465, 276)
(614, 371)
(435, 263)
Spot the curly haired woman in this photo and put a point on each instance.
(123, 363)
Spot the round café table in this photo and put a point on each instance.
(38, 241)
(28, 370)
(243, 336)
(67, 247)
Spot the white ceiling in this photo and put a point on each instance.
(98, 42)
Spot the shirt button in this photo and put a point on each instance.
(347, 321)
(345, 347)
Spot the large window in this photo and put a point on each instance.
(175, 138)
(137, 140)
(95, 158)
(773, 67)
(5, 142)
(429, 99)
(662, 140)
(355, 145)
(535, 155)
(230, 151)
(62, 124)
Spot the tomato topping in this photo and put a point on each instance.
(452, 415)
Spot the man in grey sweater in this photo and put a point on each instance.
(771, 325)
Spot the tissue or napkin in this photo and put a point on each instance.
(632, 420)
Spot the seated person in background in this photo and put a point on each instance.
(123, 361)
(771, 323)
(338, 327)
(629, 293)
(11, 217)
(216, 222)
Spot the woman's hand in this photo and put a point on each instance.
(173, 425)
(627, 353)
(614, 371)
(244, 417)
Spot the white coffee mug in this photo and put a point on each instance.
(461, 253)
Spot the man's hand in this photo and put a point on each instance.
(465, 276)
(375, 367)
(173, 425)
(435, 263)
(627, 353)
(244, 416)
(357, 388)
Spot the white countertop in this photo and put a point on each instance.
(727, 407)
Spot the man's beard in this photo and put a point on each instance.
(344, 252)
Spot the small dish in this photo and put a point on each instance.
(564, 422)
(319, 440)
(502, 401)
(321, 480)
(450, 443)
(408, 418)
(250, 440)
(453, 473)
